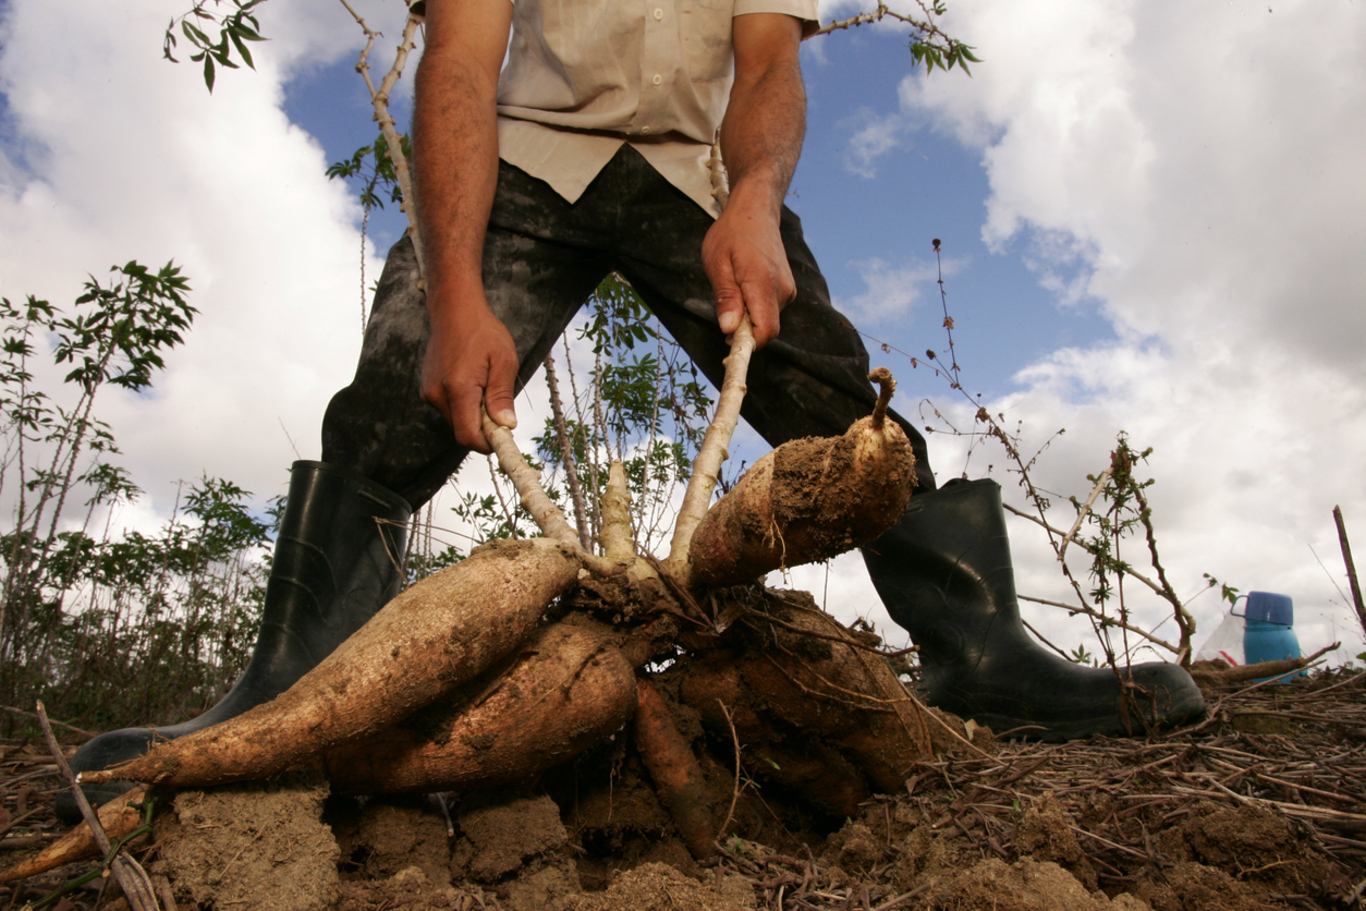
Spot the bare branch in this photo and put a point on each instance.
(571, 469)
(379, 98)
(1085, 510)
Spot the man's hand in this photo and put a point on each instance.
(471, 363)
(470, 360)
(745, 260)
(761, 137)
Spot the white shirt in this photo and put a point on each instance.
(585, 76)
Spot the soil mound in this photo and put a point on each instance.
(1214, 818)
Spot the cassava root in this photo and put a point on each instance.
(563, 691)
(119, 817)
(808, 500)
(440, 633)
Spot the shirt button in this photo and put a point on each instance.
(659, 14)
(658, 79)
(645, 129)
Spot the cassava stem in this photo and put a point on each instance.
(715, 447)
(544, 512)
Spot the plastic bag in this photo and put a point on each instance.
(1225, 643)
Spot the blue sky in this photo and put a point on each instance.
(1152, 219)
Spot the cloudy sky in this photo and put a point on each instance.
(1151, 215)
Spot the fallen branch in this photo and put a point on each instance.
(1217, 676)
(136, 885)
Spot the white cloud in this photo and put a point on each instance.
(1208, 182)
(1205, 179)
(121, 155)
(873, 136)
(893, 290)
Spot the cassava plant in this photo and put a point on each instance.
(525, 626)
(162, 612)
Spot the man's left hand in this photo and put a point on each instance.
(745, 260)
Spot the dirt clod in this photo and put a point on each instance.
(660, 887)
(1026, 885)
(502, 838)
(261, 845)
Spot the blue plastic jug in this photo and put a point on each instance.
(1268, 630)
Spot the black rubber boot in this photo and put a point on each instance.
(944, 573)
(336, 563)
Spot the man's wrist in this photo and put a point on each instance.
(454, 297)
(757, 194)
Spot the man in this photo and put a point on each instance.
(587, 154)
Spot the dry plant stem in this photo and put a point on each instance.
(1184, 621)
(571, 469)
(715, 446)
(379, 98)
(58, 724)
(537, 502)
(1084, 609)
(1085, 510)
(735, 789)
(1273, 669)
(886, 387)
(137, 887)
(616, 517)
(1351, 567)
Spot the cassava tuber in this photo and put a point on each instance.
(808, 500)
(440, 633)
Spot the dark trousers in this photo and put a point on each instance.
(543, 257)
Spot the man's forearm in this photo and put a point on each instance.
(470, 364)
(761, 139)
(455, 150)
(761, 135)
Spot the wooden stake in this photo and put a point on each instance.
(1351, 567)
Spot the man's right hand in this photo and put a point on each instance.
(470, 362)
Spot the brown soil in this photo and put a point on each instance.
(1228, 815)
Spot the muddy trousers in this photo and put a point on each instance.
(543, 257)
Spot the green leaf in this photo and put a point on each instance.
(194, 34)
(208, 72)
(241, 49)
